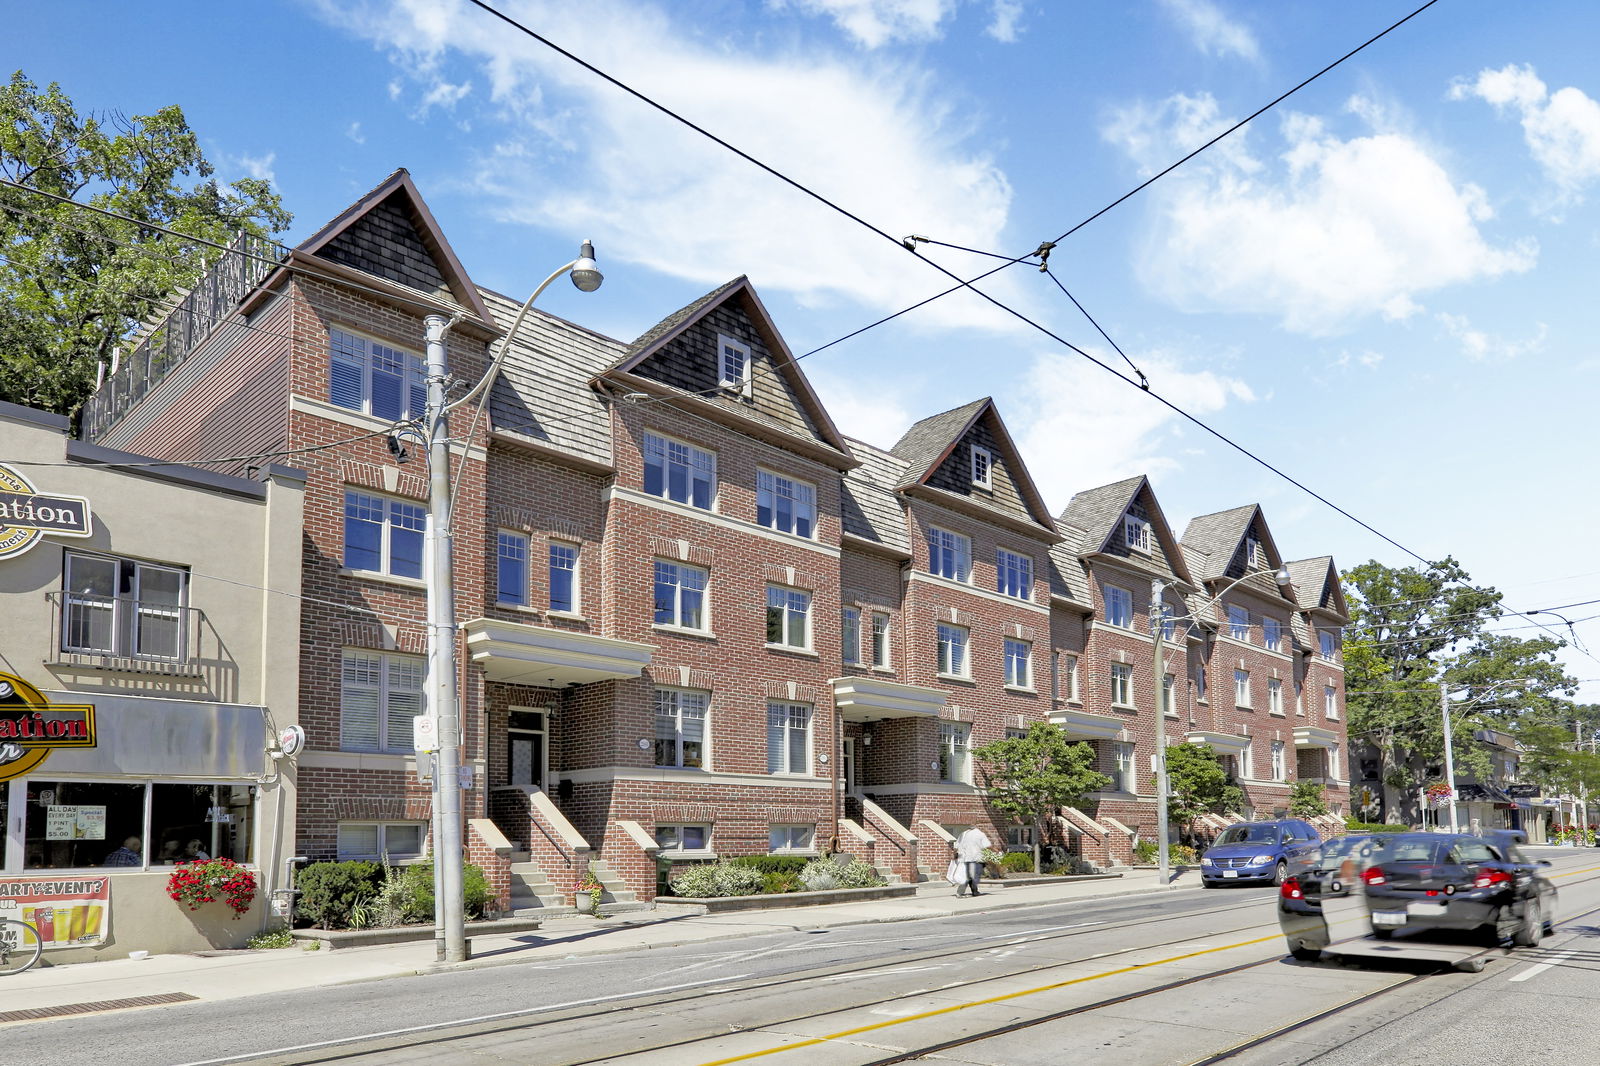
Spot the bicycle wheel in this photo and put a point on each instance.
(19, 946)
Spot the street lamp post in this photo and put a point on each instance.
(1159, 619)
(1449, 740)
(440, 583)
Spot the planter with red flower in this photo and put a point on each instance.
(208, 880)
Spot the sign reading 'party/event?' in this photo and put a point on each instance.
(26, 515)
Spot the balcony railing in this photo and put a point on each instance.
(124, 633)
(213, 298)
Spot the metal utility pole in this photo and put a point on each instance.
(1158, 619)
(1449, 754)
(442, 698)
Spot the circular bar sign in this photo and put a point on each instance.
(31, 727)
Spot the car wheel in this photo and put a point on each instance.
(1280, 874)
(1531, 931)
(1207, 884)
(1381, 934)
(1305, 954)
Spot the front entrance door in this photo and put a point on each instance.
(526, 754)
(849, 765)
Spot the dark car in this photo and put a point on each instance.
(1425, 882)
(1307, 898)
(1259, 851)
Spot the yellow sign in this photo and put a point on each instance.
(26, 515)
(31, 727)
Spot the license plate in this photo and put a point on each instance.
(1230, 873)
(1425, 908)
(1388, 918)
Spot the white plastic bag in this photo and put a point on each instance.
(954, 873)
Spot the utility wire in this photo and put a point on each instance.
(1144, 382)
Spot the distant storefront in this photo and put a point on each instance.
(139, 605)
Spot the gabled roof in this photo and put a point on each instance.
(399, 188)
(927, 444)
(1317, 585)
(741, 292)
(1098, 513)
(871, 510)
(1212, 542)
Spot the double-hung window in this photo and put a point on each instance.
(122, 607)
(511, 568)
(1329, 644)
(1019, 663)
(379, 697)
(380, 841)
(733, 364)
(949, 554)
(675, 838)
(383, 535)
(1272, 633)
(1278, 767)
(1122, 754)
(953, 650)
(791, 838)
(788, 738)
(955, 752)
(1274, 695)
(679, 472)
(1119, 607)
(785, 504)
(563, 576)
(1069, 677)
(366, 376)
(680, 598)
(1239, 623)
(880, 639)
(1121, 685)
(1168, 683)
(1136, 533)
(1014, 574)
(1330, 702)
(850, 635)
(1241, 688)
(681, 727)
(788, 617)
(982, 467)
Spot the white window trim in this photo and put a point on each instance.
(680, 851)
(500, 536)
(965, 673)
(644, 457)
(1025, 683)
(987, 480)
(576, 610)
(1136, 533)
(1126, 671)
(960, 748)
(808, 849)
(412, 376)
(386, 537)
(801, 484)
(1275, 696)
(1025, 566)
(384, 743)
(809, 622)
(888, 642)
(1127, 595)
(1241, 688)
(678, 739)
(810, 736)
(383, 829)
(740, 383)
(962, 546)
(677, 625)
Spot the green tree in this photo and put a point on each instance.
(1305, 800)
(1029, 776)
(1199, 784)
(74, 283)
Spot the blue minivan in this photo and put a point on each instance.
(1259, 851)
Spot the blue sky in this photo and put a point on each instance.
(1383, 287)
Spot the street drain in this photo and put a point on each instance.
(95, 1007)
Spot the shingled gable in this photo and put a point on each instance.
(937, 452)
(1317, 586)
(1214, 545)
(389, 233)
(678, 357)
(1099, 513)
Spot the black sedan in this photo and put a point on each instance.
(1424, 882)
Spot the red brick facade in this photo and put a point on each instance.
(883, 710)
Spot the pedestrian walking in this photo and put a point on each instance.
(969, 847)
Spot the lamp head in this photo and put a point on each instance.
(585, 275)
(1281, 576)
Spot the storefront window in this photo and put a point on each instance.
(81, 824)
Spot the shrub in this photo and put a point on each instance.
(719, 879)
(1017, 862)
(1146, 851)
(772, 864)
(777, 883)
(272, 938)
(1353, 826)
(329, 890)
(823, 874)
(1182, 855)
(413, 899)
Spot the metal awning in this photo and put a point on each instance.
(516, 653)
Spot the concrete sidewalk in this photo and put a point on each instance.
(84, 987)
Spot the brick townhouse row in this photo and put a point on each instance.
(696, 619)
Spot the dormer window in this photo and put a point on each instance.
(733, 364)
(1255, 556)
(982, 468)
(1136, 533)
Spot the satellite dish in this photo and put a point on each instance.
(291, 738)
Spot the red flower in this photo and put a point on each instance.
(197, 882)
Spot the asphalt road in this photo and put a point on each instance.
(1140, 980)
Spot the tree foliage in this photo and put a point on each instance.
(1029, 776)
(74, 283)
(1415, 629)
(1305, 800)
(1199, 784)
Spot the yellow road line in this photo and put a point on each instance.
(1574, 873)
(985, 1002)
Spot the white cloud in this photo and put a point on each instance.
(1114, 430)
(1212, 32)
(1366, 358)
(575, 156)
(875, 410)
(353, 131)
(253, 166)
(874, 23)
(1007, 16)
(1482, 347)
(1562, 129)
(1336, 230)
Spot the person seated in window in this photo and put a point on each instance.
(171, 851)
(193, 851)
(127, 855)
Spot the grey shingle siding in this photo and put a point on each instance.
(872, 509)
(385, 243)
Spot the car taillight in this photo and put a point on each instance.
(1490, 878)
(1291, 889)
(1373, 875)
